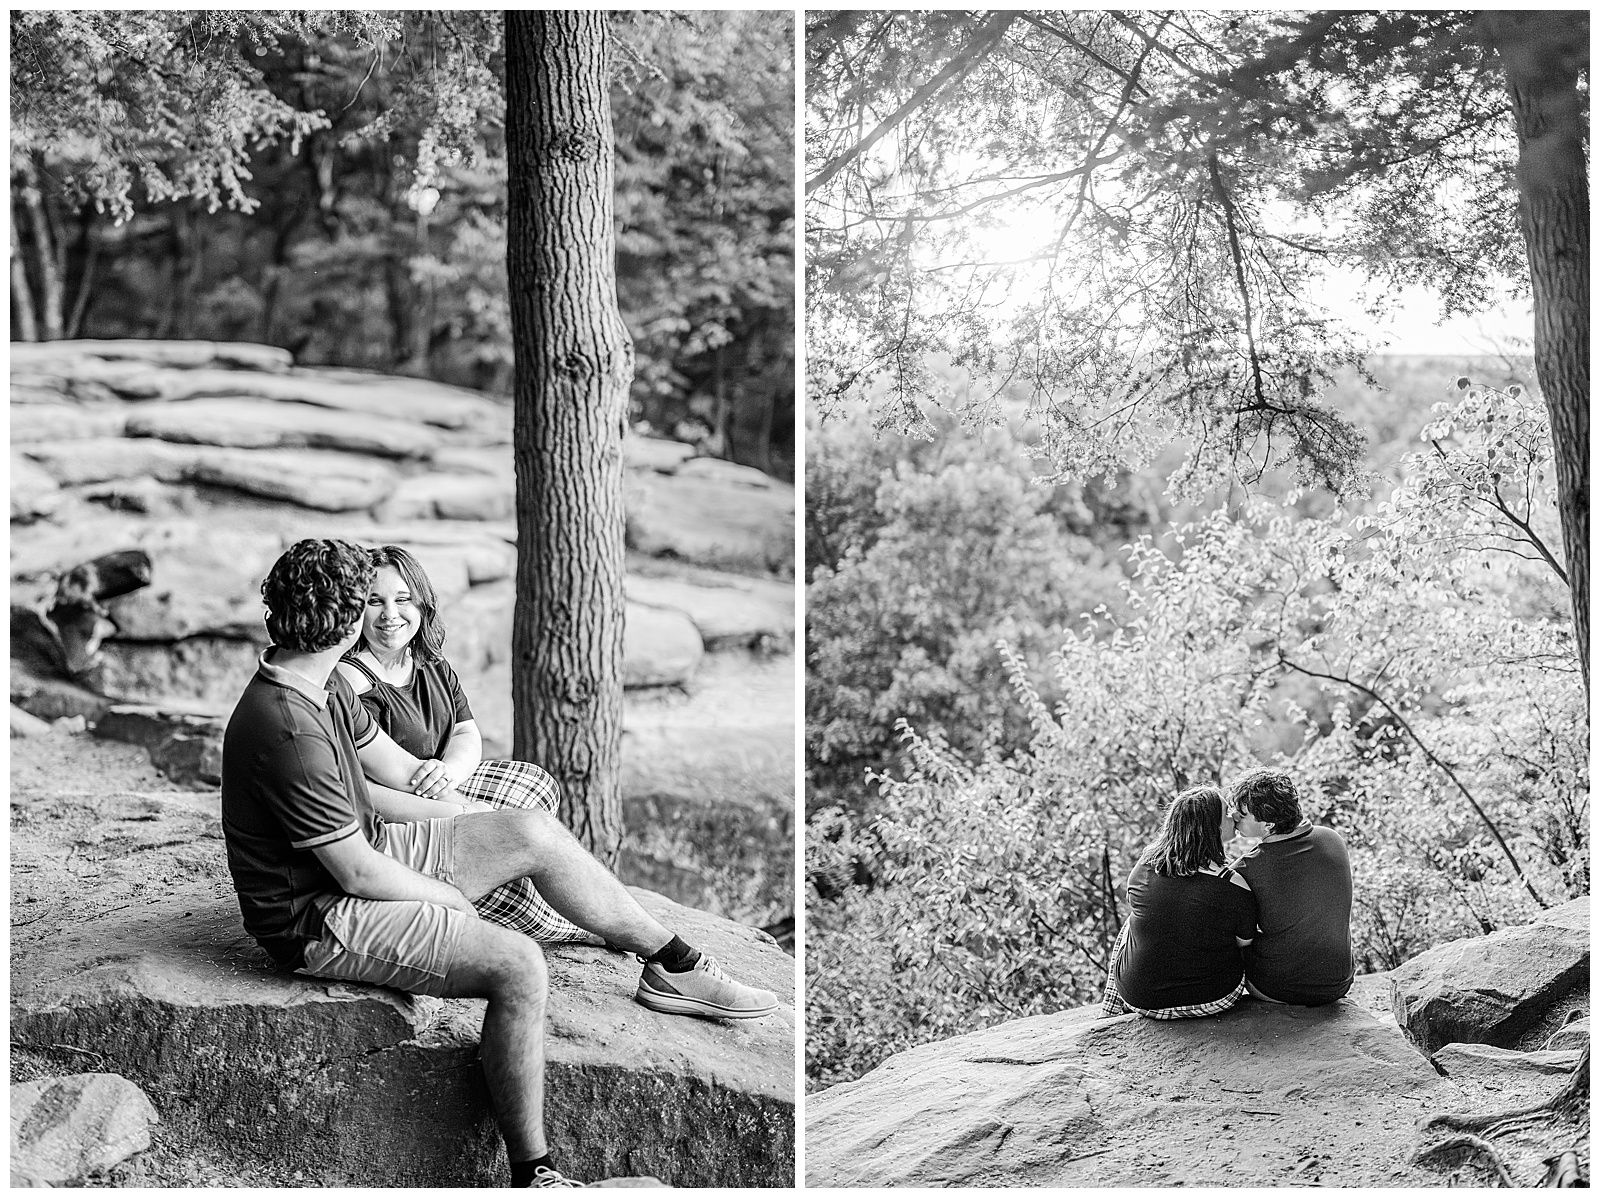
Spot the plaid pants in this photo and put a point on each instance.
(517, 905)
(1114, 1004)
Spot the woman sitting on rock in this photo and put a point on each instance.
(1189, 914)
(398, 671)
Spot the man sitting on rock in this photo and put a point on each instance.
(1300, 874)
(330, 889)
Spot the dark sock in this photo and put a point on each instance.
(522, 1171)
(675, 956)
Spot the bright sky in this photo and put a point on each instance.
(1415, 325)
(1418, 327)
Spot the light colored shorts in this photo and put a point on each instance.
(405, 944)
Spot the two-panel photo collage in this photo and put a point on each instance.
(799, 599)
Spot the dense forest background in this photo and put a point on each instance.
(340, 256)
(1005, 681)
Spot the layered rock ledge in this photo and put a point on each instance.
(128, 957)
(287, 1080)
(1263, 1095)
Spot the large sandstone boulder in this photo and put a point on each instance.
(727, 609)
(1486, 1062)
(67, 1129)
(451, 497)
(659, 647)
(654, 453)
(33, 492)
(488, 555)
(416, 400)
(209, 669)
(107, 459)
(261, 424)
(730, 473)
(54, 698)
(64, 422)
(1511, 988)
(186, 746)
(24, 723)
(1263, 1095)
(710, 523)
(322, 479)
(292, 1080)
(201, 583)
(246, 355)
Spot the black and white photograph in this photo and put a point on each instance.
(1196, 598)
(403, 534)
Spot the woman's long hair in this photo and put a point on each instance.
(428, 645)
(1190, 836)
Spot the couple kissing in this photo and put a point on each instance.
(1203, 934)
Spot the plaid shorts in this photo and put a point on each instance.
(1114, 1004)
(517, 905)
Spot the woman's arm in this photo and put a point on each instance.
(464, 751)
(399, 807)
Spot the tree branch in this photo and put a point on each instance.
(987, 37)
(1431, 756)
(1230, 216)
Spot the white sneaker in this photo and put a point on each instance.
(545, 1178)
(702, 990)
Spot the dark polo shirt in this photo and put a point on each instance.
(291, 782)
(1302, 886)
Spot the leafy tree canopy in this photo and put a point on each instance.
(353, 165)
(1131, 213)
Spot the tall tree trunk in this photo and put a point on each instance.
(91, 243)
(21, 294)
(574, 362)
(51, 297)
(1544, 54)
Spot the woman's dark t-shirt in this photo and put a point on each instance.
(419, 716)
(1180, 949)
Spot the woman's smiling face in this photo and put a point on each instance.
(392, 618)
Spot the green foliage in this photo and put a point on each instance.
(921, 565)
(165, 101)
(335, 183)
(1448, 747)
(705, 215)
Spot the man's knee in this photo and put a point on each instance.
(523, 972)
(535, 829)
(503, 964)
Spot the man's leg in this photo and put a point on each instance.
(508, 969)
(492, 847)
(424, 948)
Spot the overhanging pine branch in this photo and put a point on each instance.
(987, 37)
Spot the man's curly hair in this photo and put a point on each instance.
(1269, 796)
(315, 592)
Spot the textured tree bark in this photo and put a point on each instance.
(1543, 55)
(574, 363)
